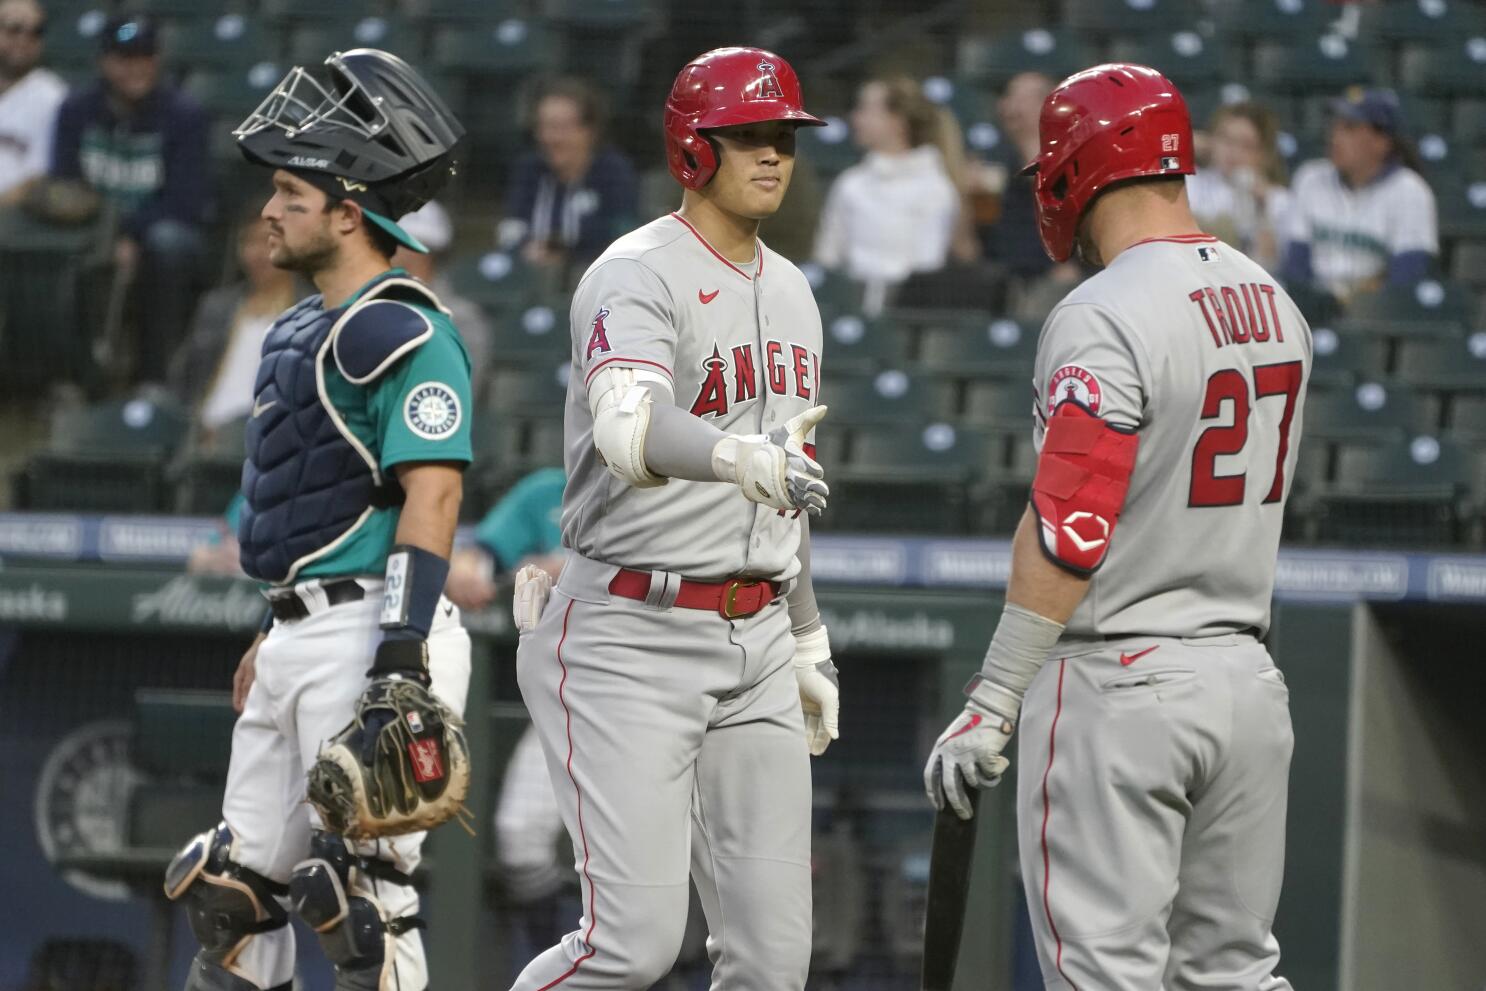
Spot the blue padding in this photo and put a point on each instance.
(376, 334)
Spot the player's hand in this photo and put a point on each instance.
(471, 581)
(968, 753)
(242, 678)
(529, 598)
(820, 692)
(773, 469)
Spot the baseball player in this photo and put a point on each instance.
(1155, 728)
(668, 672)
(358, 437)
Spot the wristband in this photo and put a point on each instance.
(812, 648)
(1017, 652)
(414, 582)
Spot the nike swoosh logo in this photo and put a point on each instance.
(974, 722)
(260, 408)
(449, 610)
(707, 297)
(1129, 659)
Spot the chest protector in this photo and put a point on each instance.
(308, 482)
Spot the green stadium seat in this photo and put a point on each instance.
(888, 397)
(1468, 119)
(1430, 308)
(1468, 264)
(1185, 56)
(1468, 420)
(538, 389)
(1394, 21)
(207, 474)
(233, 93)
(1130, 17)
(1311, 63)
(183, 9)
(72, 37)
(906, 478)
(306, 10)
(536, 335)
(220, 44)
(491, 11)
(513, 47)
(1452, 365)
(1370, 413)
(1462, 208)
(614, 15)
(1410, 492)
(1452, 67)
(998, 406)
(1276, 18)
(1055, 53)
(978, 347)
(829, 149)
(311, 42)
(1342, 360)
(855, 345)
(834, 291)
(499, 281)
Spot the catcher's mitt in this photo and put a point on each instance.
(400, 766)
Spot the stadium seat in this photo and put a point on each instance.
(1370, 413)
(998, 406)
(1276, 18)
(208, 473)
(537, 334)
(1186, 56)
(1056, 53)
(906, 478)
(1468, 421)
(72, 37)
(1342, 360)
(492, 11)
(304, 10)
(1468, 119)
(232, 93)
(1409, 492)
(1142, 17)
(1468, 264)
(834, 291)
(538, 389)
(613, 15)
(1311, 63)
(977, 347)
(1462, 208)
(222, 43)
(829, 149)
(311, 42)
(856, 345)
(1394, 21)
(888, 397)
(513, 47)
(1451, 365)
(1430, 308)
(1451, 67)
(499, 281)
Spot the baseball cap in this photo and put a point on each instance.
(1378, 107)
(129, 34)
(372, 200)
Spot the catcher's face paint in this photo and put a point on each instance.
(300, 237)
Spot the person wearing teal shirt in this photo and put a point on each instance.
(523, 527)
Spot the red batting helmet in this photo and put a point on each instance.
(1101, 126)
(720, 88)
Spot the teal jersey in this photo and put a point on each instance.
(418, 410)
(526, 521)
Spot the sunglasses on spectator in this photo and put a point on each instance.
(30, 30)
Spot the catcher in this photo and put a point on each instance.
(355, 451)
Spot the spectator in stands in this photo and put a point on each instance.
(1363, 216)
(29, 98)
(1239, 193)
(571, 196)
(894, 213)
(431, 226)
(141, 145)
(522, 528)
(214, 368)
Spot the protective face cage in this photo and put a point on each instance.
(301, 102)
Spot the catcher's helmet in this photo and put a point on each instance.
(368, 128)
(1099, 127)
(720, 88)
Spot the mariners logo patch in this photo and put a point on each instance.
(431, 410)
(1078, 384)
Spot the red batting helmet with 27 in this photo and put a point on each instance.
(1099, 127)
(720, 88)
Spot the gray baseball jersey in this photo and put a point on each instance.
(741, 349)
(1194, 345)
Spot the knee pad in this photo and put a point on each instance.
(227, 904)
(353, 929)
(207, 976)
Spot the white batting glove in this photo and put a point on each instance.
(968, 753)
(533, 589)
(773, 469)
(820, 693)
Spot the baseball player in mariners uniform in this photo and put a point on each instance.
(679, 677)
(1155, 728)
(358, 437)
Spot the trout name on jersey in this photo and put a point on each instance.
(1240, 314)
(734, 377)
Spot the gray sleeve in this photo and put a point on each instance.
(804, 613)
(677, 444)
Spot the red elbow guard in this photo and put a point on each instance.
(1082, 477)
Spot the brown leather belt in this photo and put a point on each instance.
(735, 598)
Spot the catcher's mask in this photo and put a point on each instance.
(365, 127)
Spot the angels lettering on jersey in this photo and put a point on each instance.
(737, 376)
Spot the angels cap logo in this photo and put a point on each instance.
(432, 410)
(768, 83)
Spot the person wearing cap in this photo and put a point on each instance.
(29, 97)
(356, 442)
(1362, 217)
(141, 145)
(430, 224)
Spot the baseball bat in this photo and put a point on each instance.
(949, 885)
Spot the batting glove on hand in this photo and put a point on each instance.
(968, 753)
(529, 598)
(773, 469)
(820, 693)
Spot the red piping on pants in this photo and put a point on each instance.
(1047, 871)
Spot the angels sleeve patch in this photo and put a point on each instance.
(1075, 383)
(431, 410)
